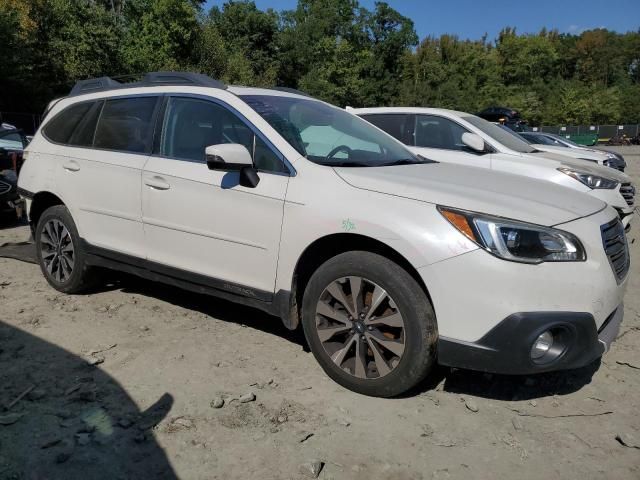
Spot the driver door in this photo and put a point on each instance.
(202, 224)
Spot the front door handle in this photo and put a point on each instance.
(157, 183)
(71, 166)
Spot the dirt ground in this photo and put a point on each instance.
(120, 384)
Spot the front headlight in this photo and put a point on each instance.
(590, 180)
(516, 241)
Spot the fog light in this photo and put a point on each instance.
(542, 345)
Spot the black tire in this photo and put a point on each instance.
(81, 276)
(420, 328)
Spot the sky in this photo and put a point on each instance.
(471, 19)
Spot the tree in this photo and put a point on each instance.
(334, 49)
(390, 36)
(238, 44)
(159, 34)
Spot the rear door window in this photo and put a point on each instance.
(398, 125)
(62, 126)
(126, 124)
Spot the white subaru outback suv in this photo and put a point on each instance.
(458, 137)
(391, 263)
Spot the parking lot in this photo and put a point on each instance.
(125, 380)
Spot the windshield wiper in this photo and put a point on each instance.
(407, 161)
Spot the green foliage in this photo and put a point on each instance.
(238, 44)
(83, 40)
(158, 34)
(333, 49)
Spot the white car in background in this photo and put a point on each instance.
(548, 142)
(458, 137)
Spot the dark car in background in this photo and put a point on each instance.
(504, 116)
(12, 145)
(613, 159)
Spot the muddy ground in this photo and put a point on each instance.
(119, 384)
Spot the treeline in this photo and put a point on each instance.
(333, 49)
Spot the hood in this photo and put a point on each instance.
(578, 153)
(476, 189)
(555, 160)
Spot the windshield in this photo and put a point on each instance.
(565, 141)
(505, 136)
(328, 135)
(11, 141)
(542, 140)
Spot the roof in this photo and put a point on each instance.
(276, 91)
(4, 129)
(409, 110)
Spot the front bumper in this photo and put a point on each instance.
(506, 348)
(473, 293)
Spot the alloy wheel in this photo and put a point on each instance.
(360, 327)
(58, 252)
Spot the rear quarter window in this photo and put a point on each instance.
(86, 129)
(62, 126)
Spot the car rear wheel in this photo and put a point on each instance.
(369, 324)
(60, 254)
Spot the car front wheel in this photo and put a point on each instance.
(369, 324)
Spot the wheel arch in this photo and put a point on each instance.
(328, 247)
(40, 202)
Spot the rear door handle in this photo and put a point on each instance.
(71, 166)
(157, 183)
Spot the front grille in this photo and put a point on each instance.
(628, 191)
(615, 246)
(4, 188)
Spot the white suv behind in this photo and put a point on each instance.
(458, 137)
(391, 263)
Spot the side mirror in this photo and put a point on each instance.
(473, 141)
(228, 156)
(233, 157)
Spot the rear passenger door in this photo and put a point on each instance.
(440, 138)
(100, 171)
(202, 225)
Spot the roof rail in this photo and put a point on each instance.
(151, 79)
(290, 90)
(182, 78)
(94, 85)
